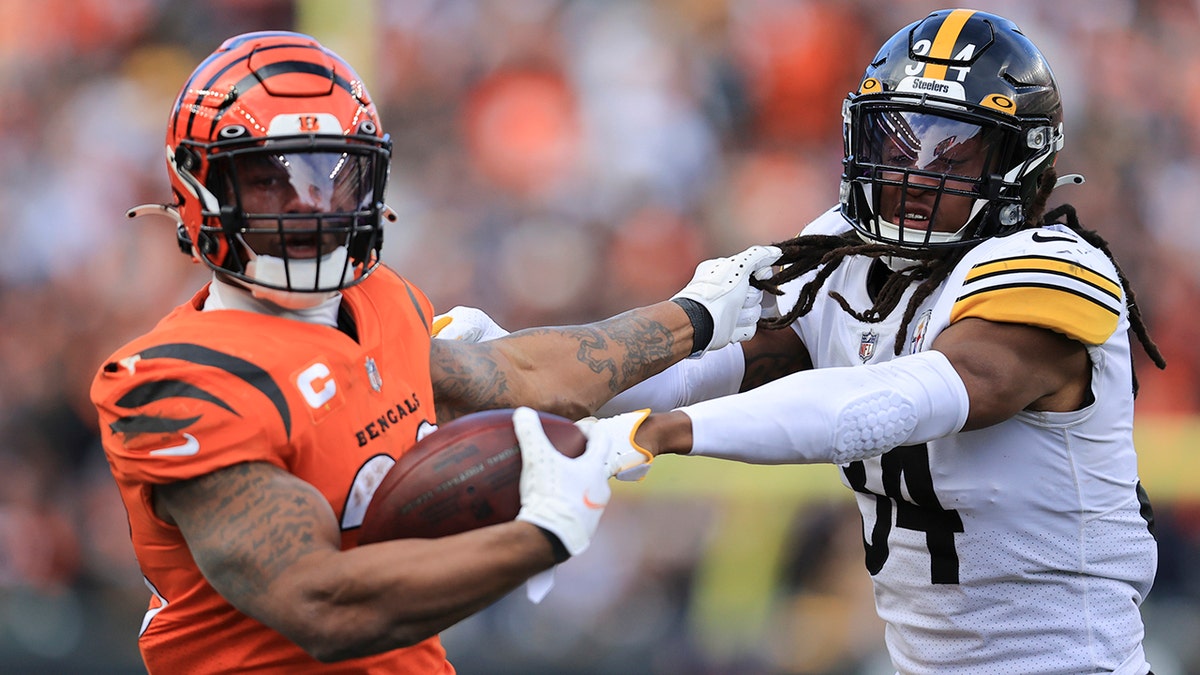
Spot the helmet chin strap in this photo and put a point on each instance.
(891, 232)
(228, 293)
(328, 271)
(893, 262)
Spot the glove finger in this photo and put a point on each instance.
(439, 322)
(585, 425)
(754, 260)
(749, 316)
(753, 299)
(743, 334)
(633, 474)
(705, 269)
(770, 306)
(468, 324)
(528, 429)
(772, 253)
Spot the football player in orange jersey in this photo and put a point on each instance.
(248, 429)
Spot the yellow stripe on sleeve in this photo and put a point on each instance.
(1076, 316)
(1040, 264)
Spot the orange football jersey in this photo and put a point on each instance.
(206, 390)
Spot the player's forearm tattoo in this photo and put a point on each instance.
(465, 380)
(638, 350)
(621, 351)
(245, 526)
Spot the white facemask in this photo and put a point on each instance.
(304, 274)
(891, 232)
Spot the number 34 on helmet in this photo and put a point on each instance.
(947, 138)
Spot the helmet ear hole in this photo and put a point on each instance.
(186, 159)
(181, 237)
(208, 244)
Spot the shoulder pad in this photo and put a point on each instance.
(1047, 277)
(831, 222)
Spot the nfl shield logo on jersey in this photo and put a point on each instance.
(866, 345)
(373, 375)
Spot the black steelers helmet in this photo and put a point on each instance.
(957, 105)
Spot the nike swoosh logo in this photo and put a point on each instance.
(1037, 236)
(189, 447)
(591, 504)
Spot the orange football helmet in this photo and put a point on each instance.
(279, 166)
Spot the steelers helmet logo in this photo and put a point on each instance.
(999, 102)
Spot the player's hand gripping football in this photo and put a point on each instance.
(563, 495)
(613, 437)
(722, 287)
(467, 324)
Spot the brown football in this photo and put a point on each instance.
(461, 477)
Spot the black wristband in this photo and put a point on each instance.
(702, 322)
(560, 552)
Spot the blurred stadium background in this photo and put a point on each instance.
(557, 161)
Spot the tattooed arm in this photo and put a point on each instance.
(769, 355)
(572, 371)
(568, 370)
(269, 543)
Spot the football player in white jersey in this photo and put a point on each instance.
(961, 355)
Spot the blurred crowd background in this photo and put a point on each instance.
(558, 161)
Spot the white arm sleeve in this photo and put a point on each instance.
(713, 374)
(834, 415)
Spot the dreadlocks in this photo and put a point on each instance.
(928, 268)
(1135, 314)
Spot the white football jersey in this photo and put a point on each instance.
(1023, 547)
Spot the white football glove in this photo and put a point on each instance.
(722, 287)
(613, 437)
(563, 495)
(770, 302)
(467, 324)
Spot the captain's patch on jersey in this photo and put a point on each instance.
(1042, 291)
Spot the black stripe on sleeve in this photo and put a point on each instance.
(163, 389)
(416, 305)
(134, 425)
(1000, 287)
(240, 368)
(1027, 270)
